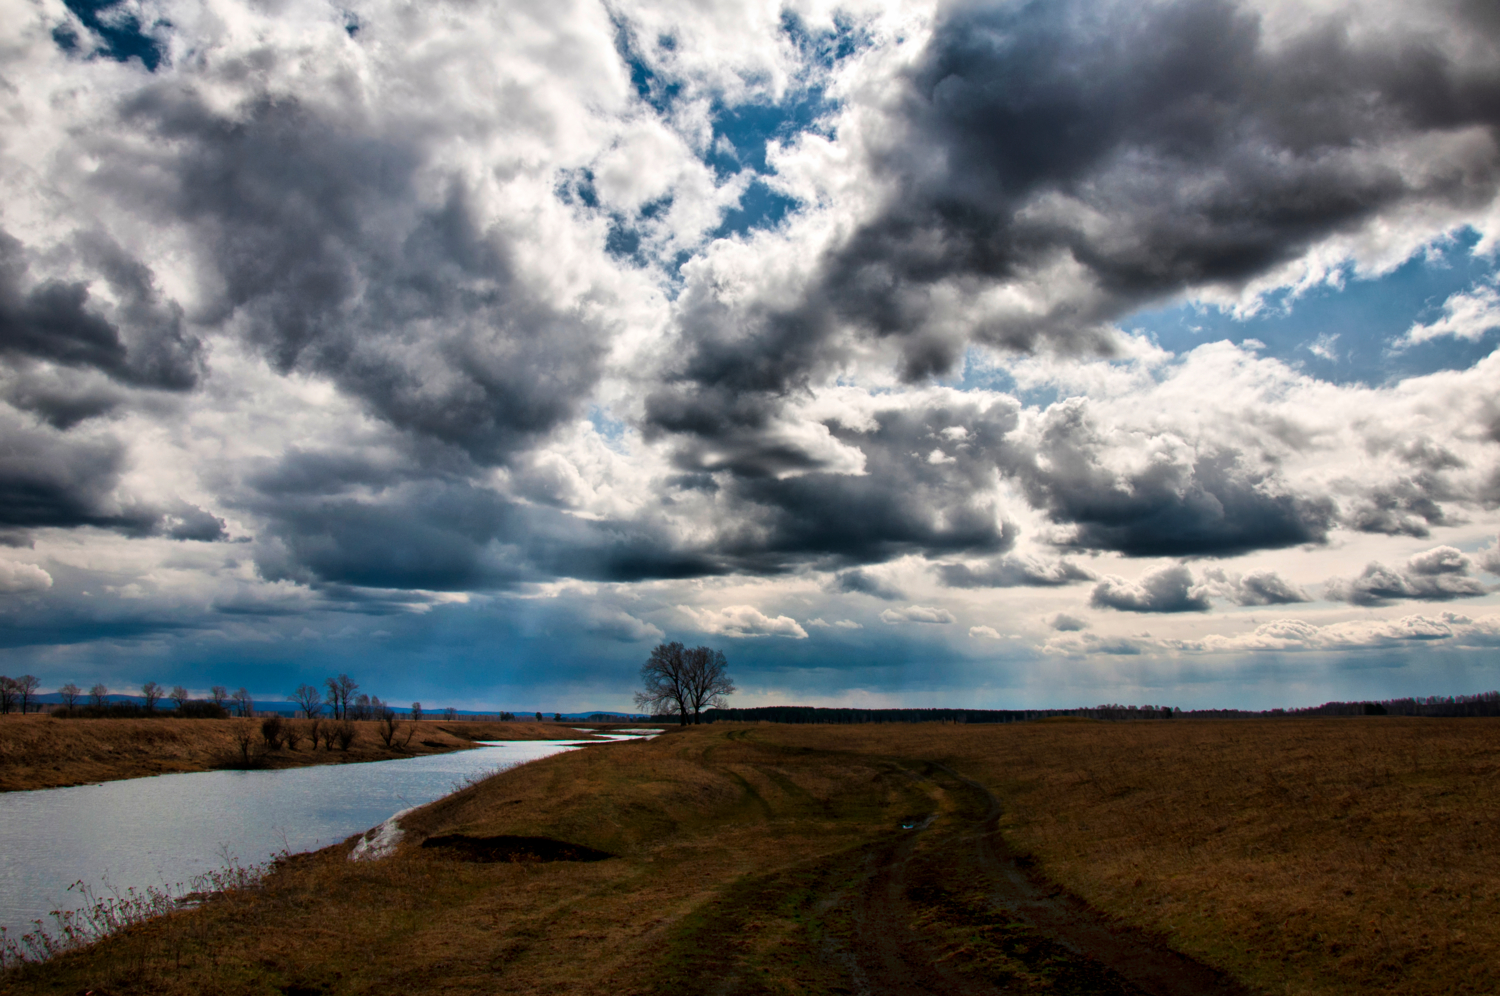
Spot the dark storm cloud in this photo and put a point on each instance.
(923, 490)
(1438, 575)
(331, 261)
(1191, 149)
(1221, 503)
(337, 519)
(1255, 588)
(1400, 509)
(1158, 147)
(63, 480)
(340, 516)
(1147, 150)
(138, 340)
(62, 398)
(50, 479)
(189, 522)
(1012, 572)
(1064, 623)
(938, 458)
(1410, 504)
(1170, 589)
(437, 536)
(864, 583)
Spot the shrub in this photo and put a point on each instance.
(244, 737)
(346, 734)
(202, 710)
(390, 728)
(291, 734)
(270, 730)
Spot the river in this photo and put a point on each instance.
(163, 830)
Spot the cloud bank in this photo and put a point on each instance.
(631, 321)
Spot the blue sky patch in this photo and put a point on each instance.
(654, 89)
(760, 207)
(120, 33)
(1344, 334)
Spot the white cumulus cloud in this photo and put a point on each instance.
(18, 578)
(1465, 316)
(745, 621)
(918, 614)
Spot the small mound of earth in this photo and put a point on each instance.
(507, 848)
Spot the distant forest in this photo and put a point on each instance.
(1483, 704)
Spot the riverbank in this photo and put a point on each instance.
(1318, 857)
(38, 751)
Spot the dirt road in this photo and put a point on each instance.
(945, 908)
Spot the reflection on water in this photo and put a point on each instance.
(163, 830)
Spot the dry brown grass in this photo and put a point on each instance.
(1331, 856)
(688, 814)
(1343, 855)
(1305, 856)
(38, 751)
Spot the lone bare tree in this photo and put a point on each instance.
(218, 695)
(7, 694)
(684, 681)
(243, 702)
(99, 695)
(151, 692)
(70, 693)
(309, 700)
(179, 697)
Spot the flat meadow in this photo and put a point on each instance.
(1287, 856)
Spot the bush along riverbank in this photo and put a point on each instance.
(38, 751)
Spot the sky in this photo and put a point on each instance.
(993, 355)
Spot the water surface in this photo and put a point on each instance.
(163, 830)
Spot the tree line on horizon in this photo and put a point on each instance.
(23, 695)
(1433, 706)
(846, 715)
(1482, 704)
(97, 702)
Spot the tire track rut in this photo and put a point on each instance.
(965, 849)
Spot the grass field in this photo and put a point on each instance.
(38, 751)
(1331, 856)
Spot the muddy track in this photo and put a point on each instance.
(1083, 952)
